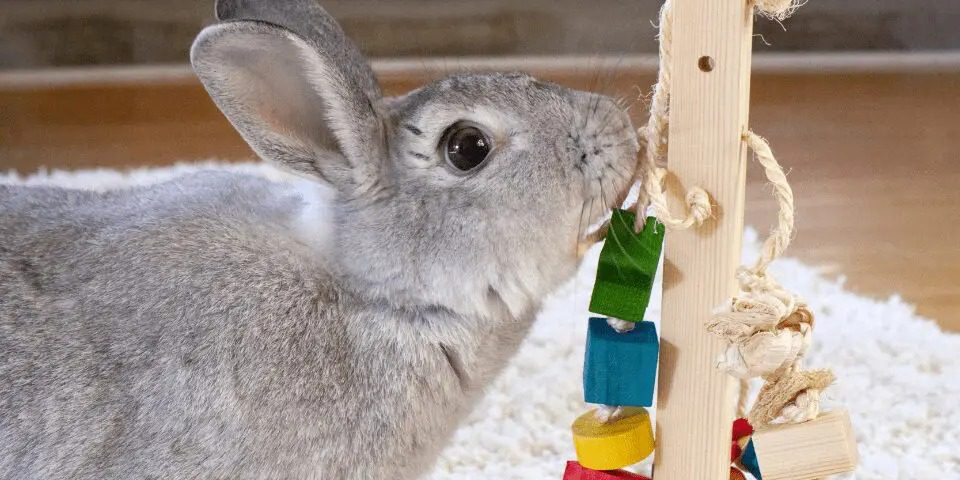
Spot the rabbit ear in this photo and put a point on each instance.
(296, 88)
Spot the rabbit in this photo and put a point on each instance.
(340, 326)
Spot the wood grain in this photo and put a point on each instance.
(709, 107)
(871, 143)
(816, 449)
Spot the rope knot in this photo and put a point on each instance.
(698, 204)
(776, 9)
(766, 336)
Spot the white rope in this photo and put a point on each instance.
(621, 326)
(655, 135)
(609, 413)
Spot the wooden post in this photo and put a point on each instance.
(708, 114)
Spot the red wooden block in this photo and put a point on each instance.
(735, 451)
(575, 471)
(741, 428)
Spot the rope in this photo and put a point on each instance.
(779, 239)
(621, 326)
(655, 134)
(768, 328)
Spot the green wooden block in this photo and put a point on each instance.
(628, 265)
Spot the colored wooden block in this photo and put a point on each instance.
(613, 445)
(748, 460)
(736, 474)
(741, 435)
(575, 471)
(627, 267)
(735, 451)
(741, 428)
(821, 447)
(620, 368)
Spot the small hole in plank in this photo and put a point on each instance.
(706, 63)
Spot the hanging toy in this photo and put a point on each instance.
(767, 329)
(620, 363)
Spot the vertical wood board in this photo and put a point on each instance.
(709, 111)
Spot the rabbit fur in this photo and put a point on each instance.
(226, 326)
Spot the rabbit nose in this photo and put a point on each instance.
(602, 115)
(605, 128)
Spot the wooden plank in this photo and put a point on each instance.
(819, 448)
(708, 114)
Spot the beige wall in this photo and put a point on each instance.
(37, 33)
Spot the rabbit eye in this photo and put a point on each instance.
(465, 147)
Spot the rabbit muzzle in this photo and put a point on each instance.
(607, 155)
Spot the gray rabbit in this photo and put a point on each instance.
(227, 326)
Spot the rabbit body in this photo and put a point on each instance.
(187, 330)
(336, 327)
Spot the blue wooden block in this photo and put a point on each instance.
(749, 460)
(620, 368)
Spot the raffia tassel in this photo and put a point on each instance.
(748, 313)
(764, 336)
(762, 354)
(793, 398)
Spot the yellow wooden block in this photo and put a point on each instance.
(819, 448)
(609, 446)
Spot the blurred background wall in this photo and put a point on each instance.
(41, 33)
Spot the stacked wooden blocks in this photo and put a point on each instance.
(741, 450)
(620, 368)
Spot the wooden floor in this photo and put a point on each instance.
(873, 155)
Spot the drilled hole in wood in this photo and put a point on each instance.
(706, 63)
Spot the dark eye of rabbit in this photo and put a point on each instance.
(466, 147)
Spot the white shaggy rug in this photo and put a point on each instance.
(899, 374)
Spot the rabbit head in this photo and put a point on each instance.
(472, 193)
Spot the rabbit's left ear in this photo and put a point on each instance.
(296, 88)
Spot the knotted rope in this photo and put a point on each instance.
(767, 327)
(656, 134)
